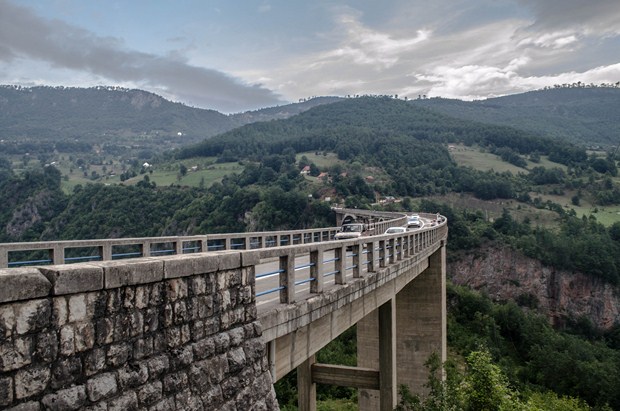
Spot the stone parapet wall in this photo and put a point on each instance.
(174, 333)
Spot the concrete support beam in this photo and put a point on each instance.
(306, 387)
(376, 349)
(388, 395)
(344, 376)
(421, 322)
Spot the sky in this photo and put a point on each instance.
(233, 55)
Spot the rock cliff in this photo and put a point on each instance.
(505, 274)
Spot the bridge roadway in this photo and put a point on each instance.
(309, 289)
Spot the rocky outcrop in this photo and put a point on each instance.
(505, 274)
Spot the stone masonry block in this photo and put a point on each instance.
(26, 406)
(73, 398)
(22, 283)
(101, 386)
(31, 381)
(6, 391)
(74, 278)
(32, 316)
(249, 258)
(228, 260)
(150, 393)
(17, 354)
(127, 401)
(144, 270)
(189, 264)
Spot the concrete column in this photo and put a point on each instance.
(306, 389)
(421, 322)
(376, 349)
(368, 357)
(388, 393)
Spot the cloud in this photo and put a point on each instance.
(25, 36)
(371, 47)
(600, 17)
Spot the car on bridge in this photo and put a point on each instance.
(395, 230)
(351, 231)
(414, 221)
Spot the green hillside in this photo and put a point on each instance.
(586, 116)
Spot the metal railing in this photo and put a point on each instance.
(74, 251)
(351, 257)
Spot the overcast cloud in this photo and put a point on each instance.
(233, 58)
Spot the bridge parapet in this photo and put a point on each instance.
(182, 331)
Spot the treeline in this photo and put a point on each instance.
(532, 355)
(501, 357)
(269, 195)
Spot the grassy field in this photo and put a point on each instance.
(478, 159)
(321, 161)
(207, 173)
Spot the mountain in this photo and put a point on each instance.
(105, 114)
(587, 116)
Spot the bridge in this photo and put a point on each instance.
(211, 322)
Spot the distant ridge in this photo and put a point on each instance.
(94, 114)
(586, 116)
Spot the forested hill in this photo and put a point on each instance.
(101, 113)
(375, 130)
(584, 116)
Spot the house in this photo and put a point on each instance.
(305, 170)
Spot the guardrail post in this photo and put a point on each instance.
(316, 271)
(356, 251)
(392, 247)
(57, 254)
(4, 258)
(145, 249)
(227, 243)
(340, 254)
(178, 247)
(370, 257)
(287, 279)
(398, 254)
(105, 252)
(382, 260)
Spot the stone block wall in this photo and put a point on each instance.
(174, 333)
